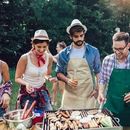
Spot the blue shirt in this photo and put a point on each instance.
(91, 55)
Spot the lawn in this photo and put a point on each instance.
(15, 90)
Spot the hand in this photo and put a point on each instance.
(5, 100)
(72, 83)
(127, 98)
(101, 98)
(94, 93)
(29, 89)
(53, 79)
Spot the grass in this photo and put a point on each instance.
(15, 90)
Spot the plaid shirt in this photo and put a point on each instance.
(108, 64)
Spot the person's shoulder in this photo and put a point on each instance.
(109, 58)
(65, 51)
(90, 47)
(24, 56)
(3, 63)
(49, 55)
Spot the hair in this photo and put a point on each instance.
(62, 44)
(76, 28)
(121, 36)
(37, 41)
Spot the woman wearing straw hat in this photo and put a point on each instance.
(76, 65)
(32, 70)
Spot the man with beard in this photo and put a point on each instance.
(115, 74)
(77, 65)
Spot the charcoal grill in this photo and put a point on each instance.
(84, 112)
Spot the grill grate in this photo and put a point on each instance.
(60, 120)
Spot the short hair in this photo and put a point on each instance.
(76, 28)
(121, 36)
(62, 44)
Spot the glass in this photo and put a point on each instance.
(119, 49)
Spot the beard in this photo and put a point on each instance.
(79, 43)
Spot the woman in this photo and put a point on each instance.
(32, 70)
(5, 87)
(60, 46)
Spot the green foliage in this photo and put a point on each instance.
(20, 18)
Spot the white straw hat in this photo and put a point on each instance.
(75, 22)
(41, 35)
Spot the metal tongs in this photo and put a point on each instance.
(100, 107)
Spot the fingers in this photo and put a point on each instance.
(5, 100)
(29, 89)
(127, 98)
(53, 79)
(94, 93)
(72, 83)
(101, 98)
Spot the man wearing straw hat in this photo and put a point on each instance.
(77, 65)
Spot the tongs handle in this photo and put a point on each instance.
(100, 107)
(24, 109)
(29, 110)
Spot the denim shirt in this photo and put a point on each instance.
(91, 55)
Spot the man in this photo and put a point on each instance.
(76, 65)
(115, 74)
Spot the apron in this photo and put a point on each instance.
(78, 98)
(119, 85)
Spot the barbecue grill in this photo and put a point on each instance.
(83, 113)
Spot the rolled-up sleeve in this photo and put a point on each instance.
(107, 67)
(61, 64)
(97, 62)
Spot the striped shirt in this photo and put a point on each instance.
(108, 64)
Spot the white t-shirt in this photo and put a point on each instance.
(77, 53)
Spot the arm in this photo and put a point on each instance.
(49, 70)
(102, 82)
(96, 69)
(20, 70)
(5, 99)
(5, 72)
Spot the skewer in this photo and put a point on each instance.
(24, 109)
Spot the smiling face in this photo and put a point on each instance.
(40, 48)
(120, 49)
(120, 45)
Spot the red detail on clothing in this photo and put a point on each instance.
(39, 58)
(38, 119)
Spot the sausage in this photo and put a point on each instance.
(63, 114)
(75, 125)
(67, 112)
